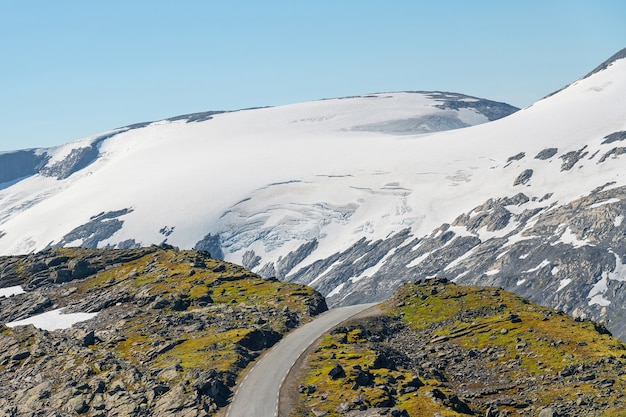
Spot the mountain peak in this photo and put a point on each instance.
(616, 57)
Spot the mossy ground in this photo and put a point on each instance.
(471, 348)
(166, 316)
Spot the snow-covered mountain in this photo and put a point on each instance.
(176, 180)
(355, 196)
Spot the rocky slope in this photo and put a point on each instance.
(356, 196)
(549, 225)
(173, 331)
(449, 350)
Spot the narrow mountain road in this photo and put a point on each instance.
(258, 392)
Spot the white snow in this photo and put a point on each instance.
(516, 238)
(272, 179)
(53, 320)
(458, 260)
(600, 300)
(320, 276)
(492, 272)
(605, 202)
(543, 263)
(418, 260)
(337, 290)
(570, 238)
(11, 291)
(596, 294)
(369, 272)
(619, 273)
(564, 283)
(520, 282)
(618, 220)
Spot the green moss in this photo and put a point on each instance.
(520, 341)
(214, 350)
(170, 315)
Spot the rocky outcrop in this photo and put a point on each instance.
(99, 228)
(546, 153)
(449, 119)
(524, 177)
(19, 164)
(570, 257)
(492, 109)
(173, 331)
(443, 349)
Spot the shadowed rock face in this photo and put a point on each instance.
(99, 228)
(447, 120)
(78, 159)
(19, 164)
(571, 257)
(24, 163)
(493, 110)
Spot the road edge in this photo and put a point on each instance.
(289, 387)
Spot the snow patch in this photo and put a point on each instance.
(337, 290)
(11, 291)
(53, 320)
(618, 220)
(513, 239)
(461, 275)
(418, 260)
(596, 294)
(600, 300)
(500, 255)
(484, 234)
(564, 283)
(458, 260)
(602, 203)
(570, 238)
(374, 268)
(544, 263)
(326, 271)
(619, 273)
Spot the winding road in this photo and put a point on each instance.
(258, 392)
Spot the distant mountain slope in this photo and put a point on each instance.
(126, 187)
(356, 196)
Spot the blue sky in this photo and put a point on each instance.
(70, 69)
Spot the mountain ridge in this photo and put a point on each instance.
(172, 332)
(350, 196)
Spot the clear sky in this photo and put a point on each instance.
(71, 69)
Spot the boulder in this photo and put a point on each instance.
(337, 372)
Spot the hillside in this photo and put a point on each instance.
(170, 331)
(159, 331)
(357, 196)
(448, 350)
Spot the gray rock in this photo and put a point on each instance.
(571, 158)
(61, 275)
(546, 153)
(524, 177)
(337, 372)
(614, 137)
(77, 405)
(548, 412)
